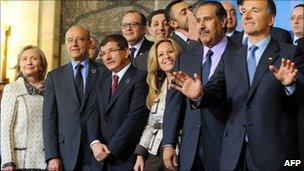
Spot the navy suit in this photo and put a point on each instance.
(198, 125)
(64, 119)
(263, 110)
(141, 60)
(277, 33)
(118, 121)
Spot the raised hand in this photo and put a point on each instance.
(100, 151)
(192, 88)
(287, 72)
(193, 28)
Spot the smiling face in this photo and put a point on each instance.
(132, 28)
(166, 56)
(211, 27)
(159, 28)
(114, 57)
(256, 18)
(30, 64)
(78, 43)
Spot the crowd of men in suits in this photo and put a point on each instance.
(237, 97)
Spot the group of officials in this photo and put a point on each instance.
(235, 100)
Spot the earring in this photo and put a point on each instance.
(160, 74)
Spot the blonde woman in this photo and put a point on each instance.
(160, 65)
(21, 113)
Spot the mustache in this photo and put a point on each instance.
(203, 31)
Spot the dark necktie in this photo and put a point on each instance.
(206, 67)
(133, 49)
(79, 81)
(251, 62)
(114, 84)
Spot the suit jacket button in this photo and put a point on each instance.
(198, 126)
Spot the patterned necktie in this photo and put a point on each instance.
(114, 84)
(133, 49)
(206, 67)
(79, 81)
(251, 62)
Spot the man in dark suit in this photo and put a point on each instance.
(202, 130)
(231, 18)
(133, 27)
(297, 23)
(176, 16)
(276, 33)
(64, 107)
(262, 89)
(118, 112)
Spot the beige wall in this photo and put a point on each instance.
(30, 22)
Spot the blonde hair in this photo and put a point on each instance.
(153, 79)
(42, 59)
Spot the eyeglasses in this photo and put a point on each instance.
(110, 51)
(130, 24)
(77, 39)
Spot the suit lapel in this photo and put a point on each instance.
(143, 48)
(92, 75)
(193, 61)
(241, 65)
(105, 88)
(122, 86)
(68, 75)
(267, 58)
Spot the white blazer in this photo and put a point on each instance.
(21, 127)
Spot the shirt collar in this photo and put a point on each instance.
(295, 38)
(230, 34)
(122, 72)
(138, 45)
(261, 44)
(181, 35)
(85, 63)
(218, 48)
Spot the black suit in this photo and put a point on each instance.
(300, 44)
(276, 33)
(141, 60)
(198, 126)
(64, 119)
(262, 110)
(118, 121)
(179, 41)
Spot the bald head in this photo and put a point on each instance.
(78, 43)
(78, 29)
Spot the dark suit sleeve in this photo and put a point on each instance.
(93, 118)
(50, 117)
(174, 113)
(131, 129)
(173, 117)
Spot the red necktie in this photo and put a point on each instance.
(114, 84)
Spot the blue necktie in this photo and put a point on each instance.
(206, 67)
(79, 81)
(251, 62)
(133, 49)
